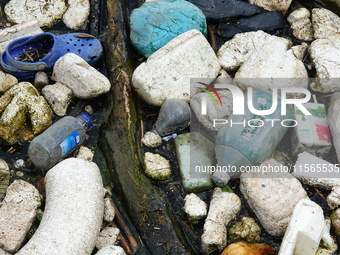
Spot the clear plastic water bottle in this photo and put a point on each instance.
(243, 145)
(59, 140)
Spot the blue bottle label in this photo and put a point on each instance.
(72, 141)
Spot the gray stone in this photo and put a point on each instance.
(261, 189)
(45, 13)
(77, 14)
(301, 24)
(271, 5)
(274, 61)
(156, 166)
(325, 54)
(84, 80)
(194, 155)
(166, 74)
(58, 96)
(15, 222)
(224, 207)
(27, 28)
(21, 192)
(74, 210)
(333, 199)
(7, 81)
(109, 210)
(325, 23)
(40, 79)
(111, 250)
(195, 208)
(151, 139)
(316, 172)
(108, 236)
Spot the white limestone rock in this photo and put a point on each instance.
(21, 192)
(111, 250)
(26, 28)
(223, 208)
(334, 122)
(77, 13)
(325, 54)
(271, 5)
(166, 73)
(58, 96)
(108, 236)
(325, 23)
(7, 81)
(273, 65)
(195, 208)
(333, 199)
(46, 13)
(156, 166)
(109, 210)
(236, 51)
(315, 171)
(84, 80)
(301, 24)
(150, 139)
(15, 222)
(85, 153)
(262, 189)
(74, 210)
(40, 79)
(300, 50)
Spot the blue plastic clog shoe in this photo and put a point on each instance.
(27, 55)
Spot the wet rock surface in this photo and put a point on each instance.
(221, 9)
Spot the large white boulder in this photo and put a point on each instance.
(167, 73)
(74, 210)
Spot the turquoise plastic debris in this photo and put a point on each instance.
(157, 22)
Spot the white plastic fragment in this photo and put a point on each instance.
(58, 96)
(167, 73)
(111, 250)
(84, 80)
(195, 208)
(317, 172)
(327, 245)
(305, 229)
(74, 210)
(108, 236)
(333, 199)
(109, 210)
(26, 28)
(46, 13)
(261, 189)
(77, 13)
(224, 207)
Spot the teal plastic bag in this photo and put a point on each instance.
(157, 22)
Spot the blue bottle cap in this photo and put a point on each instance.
(87, 118)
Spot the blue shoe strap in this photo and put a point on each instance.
(44, 63)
